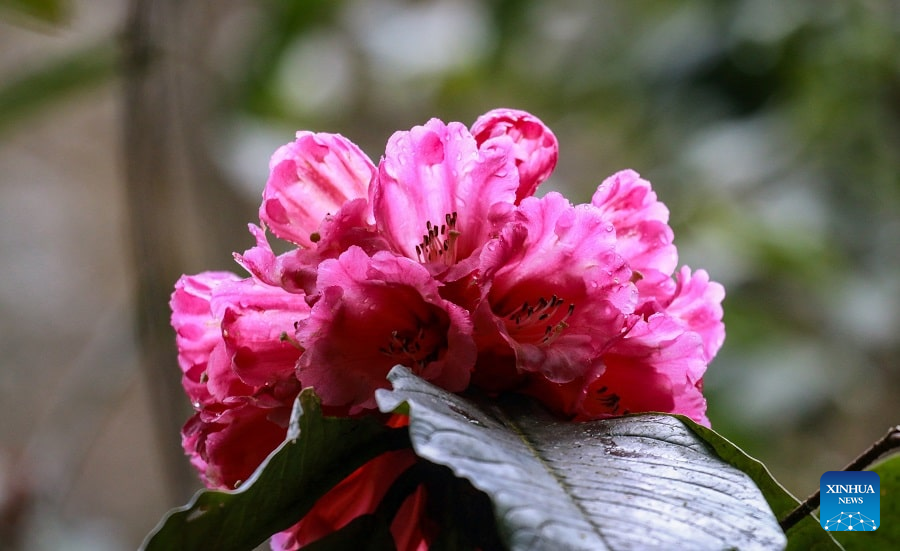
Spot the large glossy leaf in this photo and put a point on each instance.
(636, 482)
(318, 453)
(805, 535)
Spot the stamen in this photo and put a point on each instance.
(544, 310)
(439, 242)
(411, 349)
(284, 337)
(610, 401)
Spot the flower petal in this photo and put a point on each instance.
(535, 147)
(310, 178)
(374, 313)
(656, 367)
(697, 303)
(437, 195)
(555, 287)
(293, 271)
(227, 451)
(197, 330)
(643, 235)
(257, 322)
(358, 494)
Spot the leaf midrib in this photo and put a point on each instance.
(503, 418)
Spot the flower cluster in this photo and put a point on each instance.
(441, 259)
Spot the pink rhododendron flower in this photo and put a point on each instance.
(535, 147)
(197, 331)
(643, 235)
(227, 449)
(374, 313)
(231, 336)
(437, 193)
(237, 369)
(657, 365)
(442, 260)
(257, 320)
(310, 178)
(653, 368)
(555, 288)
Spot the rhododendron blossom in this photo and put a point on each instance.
(437, 194)
(310, 178)
(374, 313)
(236, 369)
(556, 288)
(439, 258)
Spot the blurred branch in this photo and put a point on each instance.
(150, 183)
(182, 213)
(885, 444)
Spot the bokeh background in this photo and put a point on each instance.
(134, 142)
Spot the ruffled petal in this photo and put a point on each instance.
(293, 271)
(257, 328)
(197, 330)
(555, 287)
(437, 196)
(374, 313)
(656, 367)
(697, 303)
(535, 146)
(310, 178)
(643, 236)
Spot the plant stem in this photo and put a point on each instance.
(886, 443)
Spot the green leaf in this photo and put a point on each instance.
(633, 482)
(318, 453)
(806, 534)
(888, 534)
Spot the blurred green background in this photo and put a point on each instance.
(134, 142)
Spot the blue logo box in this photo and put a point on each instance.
(850, 501)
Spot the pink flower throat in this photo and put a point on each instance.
(528, 318)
